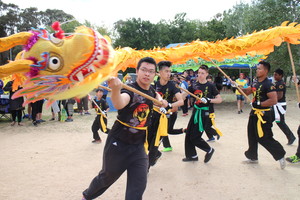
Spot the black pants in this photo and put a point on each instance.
(298, 149)
(96, 126)
(152, 131)
(171, 130)
(193, 137)
(117, 158)
(209, 130)
(267, 141)
(284, 127)
(36, 107)
(16, 114)
(185, 106)
(83, 104)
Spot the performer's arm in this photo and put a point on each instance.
(272, 99)
(159, 98)
(247, 90)
(179, 101)
(119, 100)
(217, 99)
(279, 94)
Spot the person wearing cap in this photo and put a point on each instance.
(280, 108)
(100, 122)
(241, 82)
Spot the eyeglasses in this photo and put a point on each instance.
(144, 70)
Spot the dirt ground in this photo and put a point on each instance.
(57, 160)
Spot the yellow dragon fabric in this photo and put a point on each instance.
(61, 67)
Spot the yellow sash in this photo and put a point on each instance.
(139, 128)
(103, 125)
(212, 116)
(259, 113)
(162, 129)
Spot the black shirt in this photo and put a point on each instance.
(167, 91)
(103, 105)
(207, 89)
(280, 86)
(261, 89)
(136, 114)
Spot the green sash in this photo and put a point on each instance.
(197, 116)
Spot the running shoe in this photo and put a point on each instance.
(190, 159)
(167, 149)
(282, 163)
(208, 155)
(293, 159)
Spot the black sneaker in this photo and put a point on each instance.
(291, 140)
(158, 155)
(189, 159)
(241, 111)
(35, 123)
(208, 155)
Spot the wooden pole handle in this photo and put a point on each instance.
(239, 89)
(105, 88)
(142, 94)
(188, 92)
(294, 70)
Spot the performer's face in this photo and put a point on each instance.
(202, 74)
(146, 73)
(261, 71)
(277, 77)
(165, 73)
(99, 94)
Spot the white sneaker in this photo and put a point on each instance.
(250, 161)
(282, 163)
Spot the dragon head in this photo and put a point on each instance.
(56, 66)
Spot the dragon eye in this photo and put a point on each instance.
(54, 63)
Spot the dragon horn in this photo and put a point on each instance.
(18, 66)
(7, 43)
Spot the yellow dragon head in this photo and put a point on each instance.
(58, 67)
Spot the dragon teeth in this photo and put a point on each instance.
(92, 68)
(79, 75)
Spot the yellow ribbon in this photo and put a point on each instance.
(162, 129)
(259, 113)
(138, 128)
(103, 125)
(212, 116)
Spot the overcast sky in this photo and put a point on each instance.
(101, 12)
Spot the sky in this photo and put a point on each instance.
(101, 12)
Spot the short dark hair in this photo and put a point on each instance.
(147, 60)
(266, 65)
(204, 67)
(99, 89)
(279, 71)
(163, 64)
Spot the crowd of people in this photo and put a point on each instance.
(142, 123)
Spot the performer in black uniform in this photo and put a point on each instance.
(280, 108)
(100, 121)
(260, 119)
(124, 149)
(169, 92)
(200, 121)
